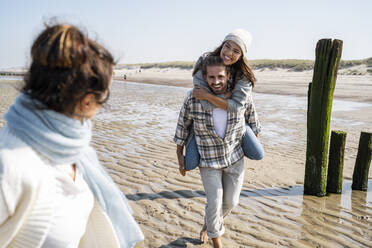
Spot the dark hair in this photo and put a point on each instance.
(212, 61)
(65, 67)
(238, 70)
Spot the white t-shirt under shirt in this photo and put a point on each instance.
(74, 203)
(220, 121)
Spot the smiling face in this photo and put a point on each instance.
(216, 78)
(230, 52)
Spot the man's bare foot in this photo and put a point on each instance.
(203, 234)
(217, 242)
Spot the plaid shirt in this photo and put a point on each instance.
(215, 152)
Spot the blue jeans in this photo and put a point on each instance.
(251, 146)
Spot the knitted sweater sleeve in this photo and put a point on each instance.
(12, 184)
(4, 211)
(184, 122)
(251, 117)
(242, 98)
(16, 186)
(25, 205)
(240, 95)
(198, 77)
(6, 193)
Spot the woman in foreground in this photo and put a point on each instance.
(53, 191)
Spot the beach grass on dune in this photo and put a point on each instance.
(291, 64)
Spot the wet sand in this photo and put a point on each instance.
(133, 136)
(279, 81)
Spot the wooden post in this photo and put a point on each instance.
(308, 100)
(362, 163)
(328, 54)
(336, 162)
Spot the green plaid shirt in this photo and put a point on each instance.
(215, 152)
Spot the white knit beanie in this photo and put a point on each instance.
(242, 38)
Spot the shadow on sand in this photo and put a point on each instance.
(182, 242)
(284, 191)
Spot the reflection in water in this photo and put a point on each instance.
(155, 108)
(336, 220)
(344, 218)
(15, 78)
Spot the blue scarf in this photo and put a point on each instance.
(65, 140)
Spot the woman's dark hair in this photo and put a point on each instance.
(238, 70)
(65, 67)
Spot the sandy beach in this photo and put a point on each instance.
(133, 136)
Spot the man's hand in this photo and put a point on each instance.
(181, 160)
(181, 163)
(200, 93)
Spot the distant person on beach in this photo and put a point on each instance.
(53, 190)
(240, 83)
(218, 135)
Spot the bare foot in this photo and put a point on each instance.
(217, 242)
(203, 234)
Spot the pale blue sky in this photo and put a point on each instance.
(138, 31)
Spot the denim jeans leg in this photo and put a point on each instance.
(192, 156)
(252, 147)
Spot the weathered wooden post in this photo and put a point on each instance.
(308, 100)
(328, 54)
(362, 163)
(336, 162)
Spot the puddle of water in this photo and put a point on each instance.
(344, 106)
(346, 203)
(16, 78)
(154, 109)
(283, 117)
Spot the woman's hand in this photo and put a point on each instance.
(181, 164)
(228, 94)
(200, 93)
(181, 160)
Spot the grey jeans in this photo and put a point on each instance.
(222, 188)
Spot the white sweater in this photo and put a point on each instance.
(73, 204)
(27, 192)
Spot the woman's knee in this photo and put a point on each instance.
(258, 155)
(254, 152)
(252, 147)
